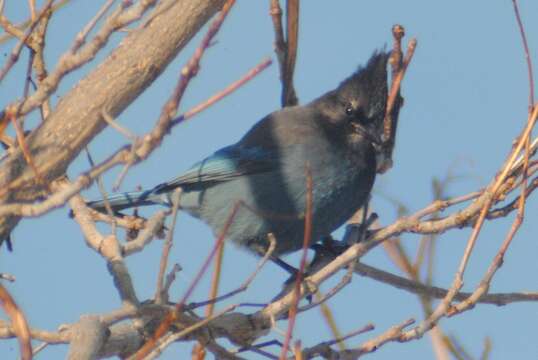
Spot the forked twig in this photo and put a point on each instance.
(324, 348)
(286, 46)
(247, 282)
(394, 100)
(14, 56)
(180, 306)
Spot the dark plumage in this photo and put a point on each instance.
(336, 135)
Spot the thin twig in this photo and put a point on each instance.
(223, 93)
(346, 279)
(104, 195)
(188, 72)
(391, 334)
(81, 36)
(330, 320)
(124, 155)
(394, 100)
(14, 56)
(109, 248)
(160, 296)
(489, 197)
(213, 292)
(122, 130)
(402, 259)
(527, 53)
(170, 318)
(21, 26)
(302, 265)
(18, 321)
(247, 282)
(135, 140)
(71, 61)
(188, 330)
(396, 56)
(12, 115)
(257, 348)
(418, 288)
(171, 277)
(31, 5)
(323, 348)
(289, 97)
(494, 188)
(286, 48)
(499, 258)
(40, 347)
(395, 88)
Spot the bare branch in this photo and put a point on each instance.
(415, 287)
(160, 296)
(18, 321)
(89, 336)
(286, 48)
(145, 52)
(14, 56)
(528, 58)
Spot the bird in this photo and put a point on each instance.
(262, 178)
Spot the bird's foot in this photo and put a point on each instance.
(290, 282)
(289, 285)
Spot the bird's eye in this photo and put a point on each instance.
(349, 110)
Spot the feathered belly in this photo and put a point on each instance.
(275, 203)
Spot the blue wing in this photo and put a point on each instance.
(226, 164)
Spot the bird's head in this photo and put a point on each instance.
(356, 108)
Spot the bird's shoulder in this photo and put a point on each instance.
(288, 126)
(225, 164)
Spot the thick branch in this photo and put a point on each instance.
(126, 73)
(89, 336)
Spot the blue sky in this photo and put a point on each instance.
(466, 98)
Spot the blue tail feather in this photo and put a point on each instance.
(131, 199)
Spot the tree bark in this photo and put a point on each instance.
(140, 58)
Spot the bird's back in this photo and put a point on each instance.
(274, 199)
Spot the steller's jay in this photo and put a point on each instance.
(337, 136)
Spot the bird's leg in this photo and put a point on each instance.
(289, 283)
(325, 252)
(284, 265)
(329, 248)
(367, 221)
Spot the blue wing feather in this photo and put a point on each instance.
(225, 164)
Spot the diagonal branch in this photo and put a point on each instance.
(119, 80)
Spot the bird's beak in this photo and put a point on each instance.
(373, 138)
